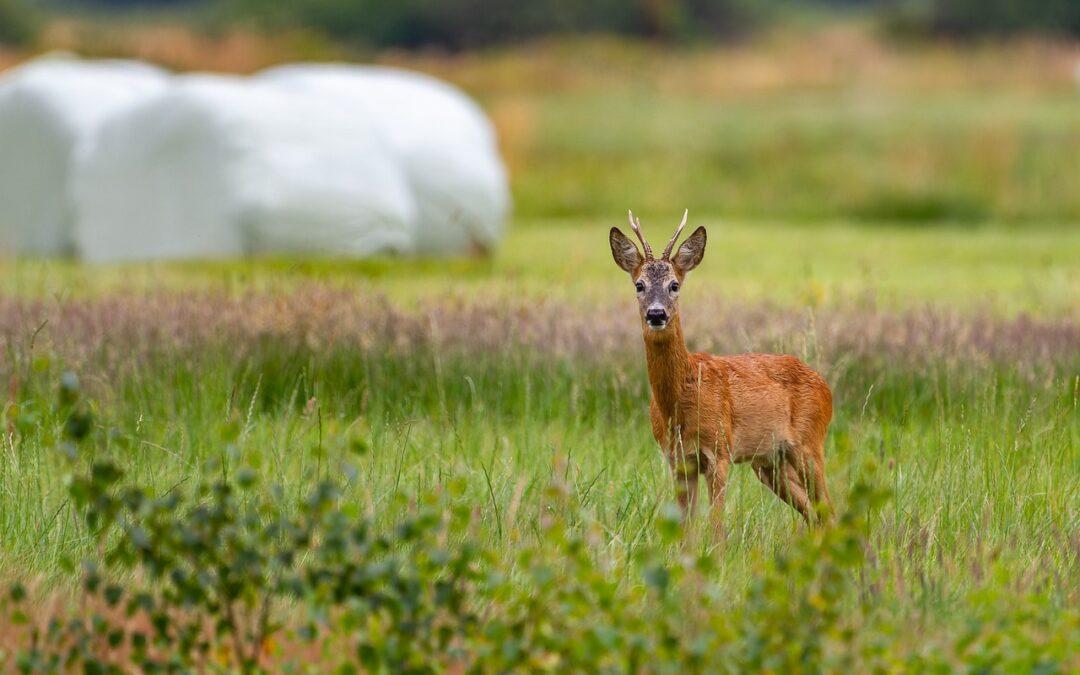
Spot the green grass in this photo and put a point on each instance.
(980, 456)
(1004, 270)
(984, 463)
(862, 155)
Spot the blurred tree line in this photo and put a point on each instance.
(461, 24)
(458, 24)
(18, 24)
(982, 18)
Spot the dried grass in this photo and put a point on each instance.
(119, 330)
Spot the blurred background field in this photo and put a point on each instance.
(891, 191)
(828, 117)
(919, 167)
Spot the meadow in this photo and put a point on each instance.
(487, 418)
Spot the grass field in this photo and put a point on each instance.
(915, 241)
(990, 268)
(492, 376)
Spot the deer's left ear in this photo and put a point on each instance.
(691, 252)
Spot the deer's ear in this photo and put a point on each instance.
(624, 251)
(691, 252)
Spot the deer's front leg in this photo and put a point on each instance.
(685, 471)
(685, 466)
(717, 475)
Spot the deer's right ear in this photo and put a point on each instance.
(624, 251)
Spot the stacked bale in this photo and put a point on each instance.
(118, 161)
(50, 111)
(221, 166)
(444, 141)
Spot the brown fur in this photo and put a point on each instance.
(771, 411)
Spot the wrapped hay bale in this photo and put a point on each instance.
(221, 166)
(50, 110)
(446, 145)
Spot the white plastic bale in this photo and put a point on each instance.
(445, 142)
(220, 166)
(50, 109)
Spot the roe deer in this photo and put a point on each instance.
(709, 411)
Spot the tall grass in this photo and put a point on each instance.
(974, 423)
(382, 377)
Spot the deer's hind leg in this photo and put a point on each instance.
(808, 465)
(779, 475)
(820, 494)
(805, 477)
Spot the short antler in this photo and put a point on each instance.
(635, 225)
(671, 244)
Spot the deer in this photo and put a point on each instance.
(709, 412)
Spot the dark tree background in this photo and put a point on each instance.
(461, 24)
(1003, 17)
(18, 23)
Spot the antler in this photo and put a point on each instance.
(671, 244)
(635, 225)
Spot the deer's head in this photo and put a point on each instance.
(657, 281)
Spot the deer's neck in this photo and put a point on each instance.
(668, 364)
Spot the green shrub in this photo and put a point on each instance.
(18, 24)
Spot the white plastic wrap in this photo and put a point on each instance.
(221, 166)
(444, 141)
(50, 110)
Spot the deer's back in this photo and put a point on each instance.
(773, 399)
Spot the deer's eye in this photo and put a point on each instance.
(674, 286)
(640, 286)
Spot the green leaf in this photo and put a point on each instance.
(669, 522)
(246, 478)
(113, 594)
(658, 578)
(17, 592)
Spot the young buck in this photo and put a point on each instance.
(709, 411)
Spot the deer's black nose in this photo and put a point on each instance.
(656, 317)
